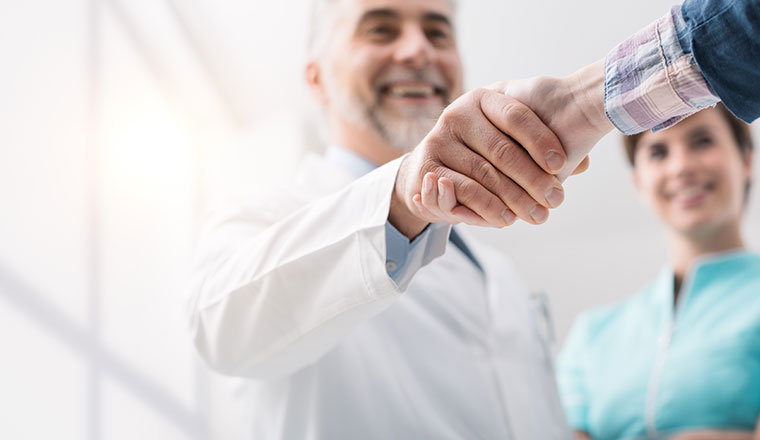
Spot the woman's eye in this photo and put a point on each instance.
(657, 153)
(436, 34)
(703, 142)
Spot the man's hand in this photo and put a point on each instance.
(571, 107)
(496, 162)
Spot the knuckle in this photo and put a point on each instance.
(545, 141)
(478, 94)
(522, 204)
(516, 113)
(492, 207)
(426, 165)
(481, 170)
(437, 136)
(450, 124)
(448, 116)
(466, 192)
(504, 151)
(540, 181)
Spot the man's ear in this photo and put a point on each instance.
(313, 75)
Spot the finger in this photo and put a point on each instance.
(519, 122)
(545, 189)
(467, 216)
(433, 191)
(500, 156)
(429, 197)
(496, 153)
(481, 201)
(448, 204)
(446, 199)
(464, 216)
(421, 211)
(429, 193)
(582, 167)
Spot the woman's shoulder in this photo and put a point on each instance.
(601, 319)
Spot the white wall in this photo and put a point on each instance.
(122, 121)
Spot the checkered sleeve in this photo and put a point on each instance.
(650, 81)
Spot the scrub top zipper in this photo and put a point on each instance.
(650, 413)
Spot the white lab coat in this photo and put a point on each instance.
(292, 292)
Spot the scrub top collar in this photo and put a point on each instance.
(704, 269)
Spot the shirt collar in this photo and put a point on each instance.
(702, 273)
(349, 161)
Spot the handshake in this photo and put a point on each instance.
(501, 153)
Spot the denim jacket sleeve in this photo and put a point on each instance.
(724, 38)
(699, 53)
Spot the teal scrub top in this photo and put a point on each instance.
(647, 368)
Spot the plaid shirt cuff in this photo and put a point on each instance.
(651, 82)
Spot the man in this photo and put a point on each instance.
(353, 315)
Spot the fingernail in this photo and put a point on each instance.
(441, 189)
(555, 161)
(427, 184)
(539, 214)
(555, 196)
(508, 216)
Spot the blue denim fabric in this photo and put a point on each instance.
(724, 38)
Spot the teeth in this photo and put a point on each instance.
(690, 191)
(424, 91)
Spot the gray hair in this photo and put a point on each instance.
(321, 18)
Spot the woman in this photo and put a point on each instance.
(681, 359)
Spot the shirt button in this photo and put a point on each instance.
(390, 266)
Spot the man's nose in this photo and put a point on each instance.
(414, 49)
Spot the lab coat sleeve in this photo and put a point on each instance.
(269, 298)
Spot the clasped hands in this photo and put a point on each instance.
(500, 153)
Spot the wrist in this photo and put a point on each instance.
(587, 87)
(399, 215)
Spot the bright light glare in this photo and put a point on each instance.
(147, 149)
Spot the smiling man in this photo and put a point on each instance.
(372, 88)
(353, 315)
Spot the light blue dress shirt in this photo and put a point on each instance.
(403, 257)
(649, 368)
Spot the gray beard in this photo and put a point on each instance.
(401, 132)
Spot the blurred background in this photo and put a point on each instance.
(122, 123)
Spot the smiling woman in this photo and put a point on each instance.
(692, 366)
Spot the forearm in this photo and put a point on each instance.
(271, 298)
